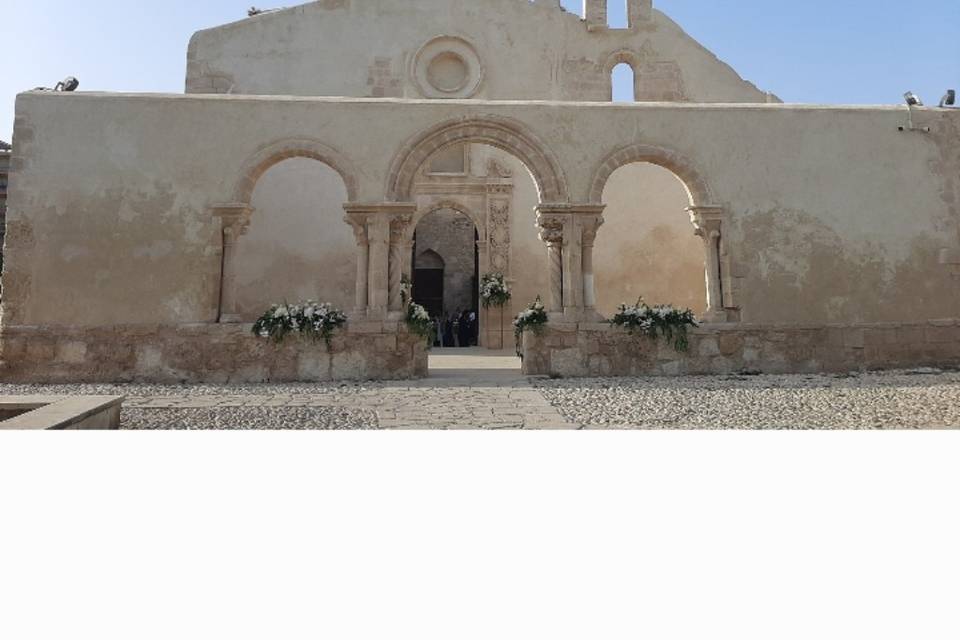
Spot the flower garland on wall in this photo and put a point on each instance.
(533, 318)
(654, 322)
(308, 319)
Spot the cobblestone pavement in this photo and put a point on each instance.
(493, 395)
(920, 399)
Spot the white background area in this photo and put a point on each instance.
(487, 536)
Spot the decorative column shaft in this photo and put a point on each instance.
(572, 266)
(359, 224)
(551, 233)
(708, 222)
(399, 259)
(378, 229)
(590, 223)
(234, 221)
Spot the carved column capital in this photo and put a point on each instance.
(358, 222)
(400, 227)
(234, 218)
(707, 220)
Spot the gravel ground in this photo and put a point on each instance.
(263, 418)
(923, 398)
(150, 390)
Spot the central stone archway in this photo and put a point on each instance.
(502, 133)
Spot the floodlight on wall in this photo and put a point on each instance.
(949, 100)
(67, 84)
(912, 100)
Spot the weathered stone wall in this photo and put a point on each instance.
(589, 350)
(857, 223)
(515, 50)
(205, 353)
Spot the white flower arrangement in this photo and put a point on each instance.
(419, 322)
(494, 291)
(660, 320)
(310, 319)
(533, 318)
(406, 290)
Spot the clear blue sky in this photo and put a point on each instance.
(824, 51)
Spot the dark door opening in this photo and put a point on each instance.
(428, 290)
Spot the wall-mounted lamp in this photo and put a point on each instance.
(912, 100)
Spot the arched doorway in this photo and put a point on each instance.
(446, 275)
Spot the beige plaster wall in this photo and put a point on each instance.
(526, 51)
(297, 247)
(647, 246)
(835, 215)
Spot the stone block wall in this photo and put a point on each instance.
(591, 350)
(211, 353)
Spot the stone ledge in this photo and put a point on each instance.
(48, 413)
(220, 353)
(592, 349)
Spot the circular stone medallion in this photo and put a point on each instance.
(447, 67)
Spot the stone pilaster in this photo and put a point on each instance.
(570, 231)
(234, 223)
(358, 221)
(708, 222)
(384, 225)
(399, 257)
(590, 224)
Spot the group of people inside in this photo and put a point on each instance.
(460, 329)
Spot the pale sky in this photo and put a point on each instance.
(820, 51)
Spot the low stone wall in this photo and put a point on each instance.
(214, 353)
(588, 350)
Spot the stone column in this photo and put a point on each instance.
(708, 222)
(382, 223)
(378, 229)
(551, 233)
(590, 223)
(359, 223)
(572, 267)
(234, 222)
(399, 258)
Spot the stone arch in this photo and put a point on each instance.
(276, 152)
(429, 259)
(622, 56)
(698, 191)
(504, 134)
(453, 205)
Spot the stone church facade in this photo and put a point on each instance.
(334, 149)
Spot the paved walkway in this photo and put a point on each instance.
(467, 389)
